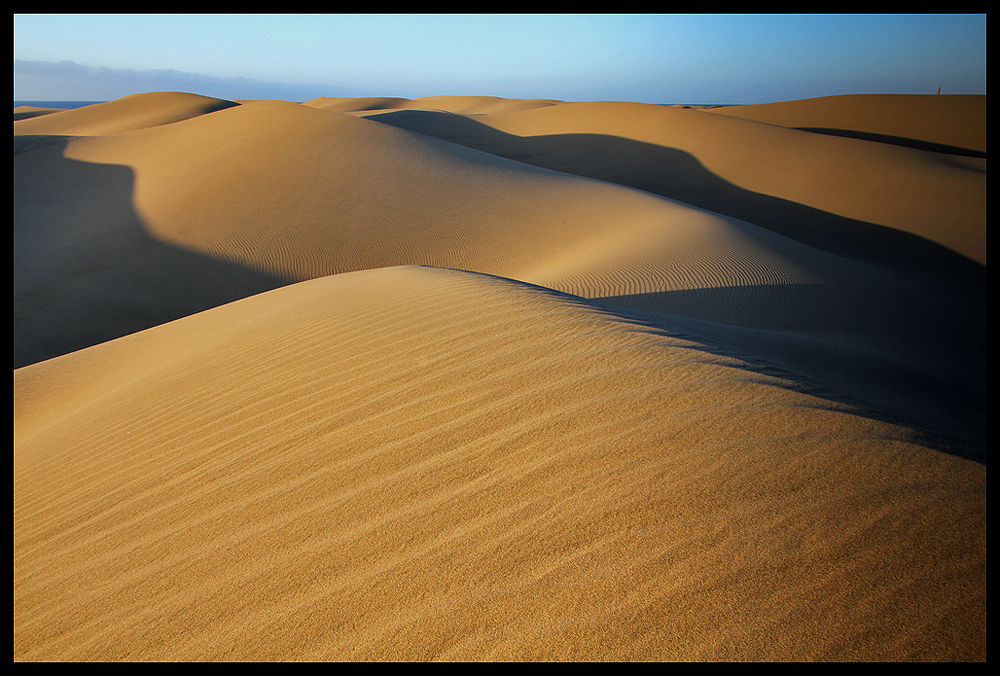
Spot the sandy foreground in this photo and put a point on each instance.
(470, 378)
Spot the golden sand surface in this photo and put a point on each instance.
(472, 378)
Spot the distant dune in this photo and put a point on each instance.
(472, 378)
(471, 105)
(749, 169)
(131, 112)
(955, 124)
(27, 112)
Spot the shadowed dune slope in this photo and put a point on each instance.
(416, 463)
(125, 231)
(299, 193)
(304, 192)
(777, 177)
(130, 112)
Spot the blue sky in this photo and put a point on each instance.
(669, 58)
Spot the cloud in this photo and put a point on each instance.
(68, 80)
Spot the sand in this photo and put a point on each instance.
(472, 378)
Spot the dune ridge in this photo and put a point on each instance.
(695, 155)
(413, 463)
(136, 111)
(472, 378)
(340, 197)
(951, 123)
(26, 112)
(468, 105)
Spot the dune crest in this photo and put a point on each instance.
(950, 123)
(466, 105)
(426, 464)
(137, 111)
(743, 168)
(27, 112)
(331, 193)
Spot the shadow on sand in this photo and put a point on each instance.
(922, 366)
(902, 141)
(920, 346)
(86, 270)
(677, 175)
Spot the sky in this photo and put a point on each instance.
(649, 58)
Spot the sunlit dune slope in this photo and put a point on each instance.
(465, 105)
(810, 186)
(303, 192)
(137, 111)
(122, 232)
(291, 193)
(338, 104)
(26, 112)
(415, 463)
(949, 123)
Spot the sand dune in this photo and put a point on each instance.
(331, 193)
(130, 112)
(26, 112)
(806, 185)
(477, 378)
(955, 124)
(466, 105)
(414, 463)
